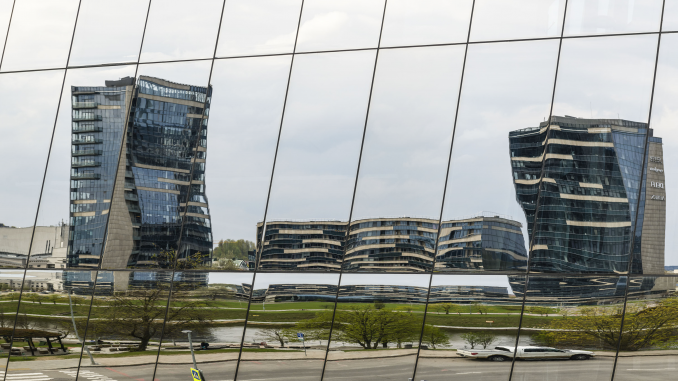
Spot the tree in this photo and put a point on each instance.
(644, 327)
(233, 249)
(486, 339)
(471, 338)
(434, 336)
(54, 298)
(226, 264)
(275, 334)
(379, 305)
(140, 313)
(482, 309)
(447, 307)
(317, 328)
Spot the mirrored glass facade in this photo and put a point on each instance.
(387, 190)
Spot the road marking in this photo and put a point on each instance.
(26, 376)
(87, 374)
(645, 370)
(469, 373)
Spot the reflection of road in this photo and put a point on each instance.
(650, 368)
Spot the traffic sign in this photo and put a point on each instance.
(300, 335)
(197, 375)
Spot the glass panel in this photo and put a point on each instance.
(247, 107)
(175, 31)
(5, 13)
(593, 157)
(94, 44)
(377, 326)
(340, 24)
(40, 35)
(262, 27)
(405, 153)
(10, 283)
(282, 307)
(648, 343)
(611, 17)
(411, 22)
(213, 305)
(51, 323)
(147, 206)
(76, 198)
(317, 159)
(126, 323)
(658, 236)
(470, 318)
(507, 88)
(23, 128)
(670, 15)
(529, 19)
(576, 319)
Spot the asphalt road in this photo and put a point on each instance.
(648, 368)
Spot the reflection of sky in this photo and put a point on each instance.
(506, 86)
(471, 280)
(265, 279)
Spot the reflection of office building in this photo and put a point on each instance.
(584, 176)
(481, 243)
(394, 244)
(166, 136)
(468, 294)
(312, 245)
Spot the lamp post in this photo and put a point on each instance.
(190, 344)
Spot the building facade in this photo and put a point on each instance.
(144, 185)
(394, 244)
(584, 185)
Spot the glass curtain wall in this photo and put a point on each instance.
(315, 189)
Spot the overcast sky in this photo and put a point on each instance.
(506, 86)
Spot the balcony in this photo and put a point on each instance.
(87, 141)
(133, 208)
(129, 186)
(85, 117)
(87, 128)
(84, 163)
(87, 152)
(85, 176)
(85, 104)
(129, 174)
(131, 197)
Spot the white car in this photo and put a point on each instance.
(525, 353)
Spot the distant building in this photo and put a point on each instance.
(584, 177)
(159, 176)
(48, 251)
(394, 244)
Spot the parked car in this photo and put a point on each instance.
(525, 353)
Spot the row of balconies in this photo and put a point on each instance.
(85, 176)
(87, 152)
(85, 104)
(79, 163)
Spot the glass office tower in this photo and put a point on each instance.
(140, 192)
(579, 183)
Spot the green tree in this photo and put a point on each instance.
(486, 339)
(233, 249)
(447, 307)
(644, 327)
(471, 338)
(434, 336)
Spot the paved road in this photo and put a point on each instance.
(645, 368)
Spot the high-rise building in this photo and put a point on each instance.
(586, 185)
(394, 244)
(135, 184)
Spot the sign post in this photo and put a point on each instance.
(195, 372)
(301, 336)
(197, 375)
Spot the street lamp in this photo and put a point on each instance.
(190, 344)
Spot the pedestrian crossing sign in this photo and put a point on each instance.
(197, 375)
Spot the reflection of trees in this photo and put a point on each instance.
(276, 334)
(479, 338)
(366, 326)
(232, 249)
(644, 327)
(140, 314)
(434, 336)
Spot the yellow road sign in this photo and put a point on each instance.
(197, 375)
